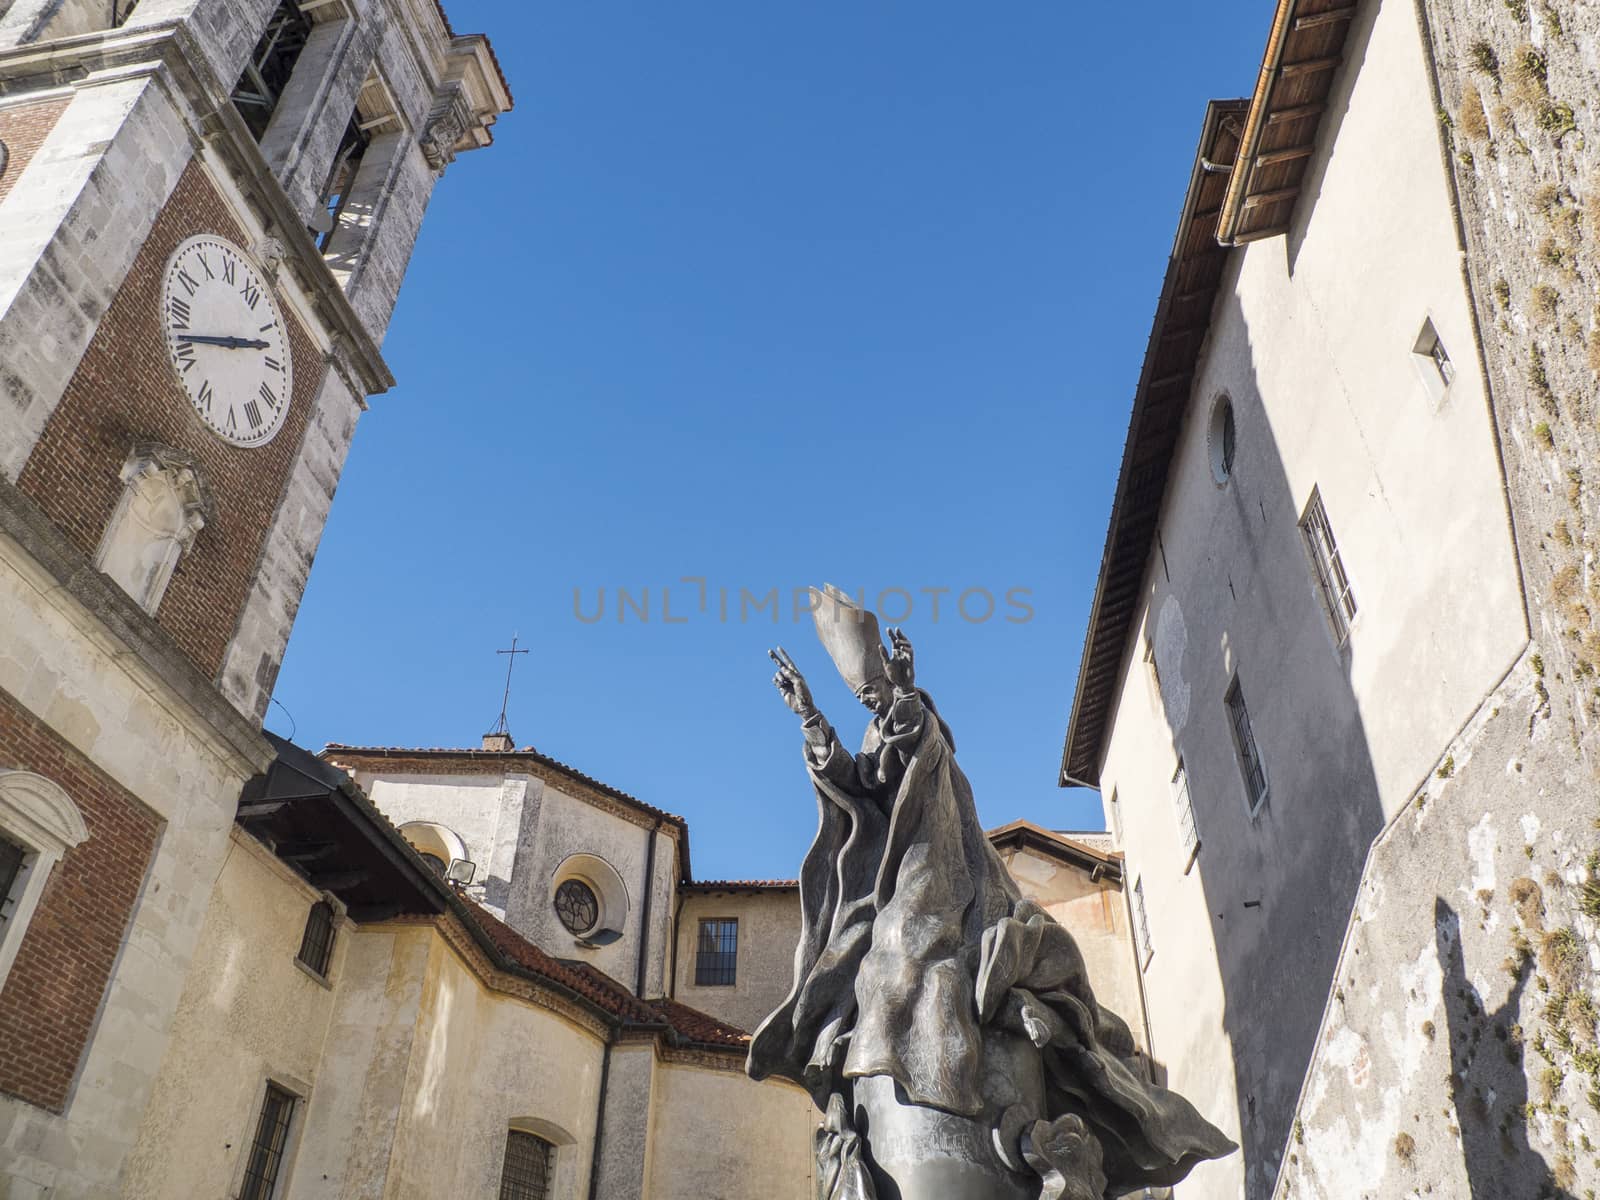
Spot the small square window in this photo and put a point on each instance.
(1434, 367)
(717, 952)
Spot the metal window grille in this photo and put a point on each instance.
(1114, 807)
(1188, 834)
(1141, 926)
(577, 906)
(717, 955)
(1244, 741)
(316, 944)
(266, 1151)
(526, 1173)
(1441, 361)
(1337, 596)
(12, 857)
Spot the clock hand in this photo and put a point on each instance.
(229, 343)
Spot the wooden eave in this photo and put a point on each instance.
(319, 823)
(1303, 56)
(1183, 316)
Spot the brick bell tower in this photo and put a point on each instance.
(206, 211)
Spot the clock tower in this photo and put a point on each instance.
(206, 211)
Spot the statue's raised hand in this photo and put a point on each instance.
(791, 684)
(899, 665)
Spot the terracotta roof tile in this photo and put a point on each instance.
(695, 1026)
(742, 885)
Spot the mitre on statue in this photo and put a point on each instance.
(850, 635)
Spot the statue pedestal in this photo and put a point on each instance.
(926, 1154)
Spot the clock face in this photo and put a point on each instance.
(226, 339)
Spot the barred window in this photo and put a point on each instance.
(1244, 743)
(1141, 926)
(717, 954)
(316, 944)
(1188, 833)
(266, 1151)
(1337, 597)
(526, 1173)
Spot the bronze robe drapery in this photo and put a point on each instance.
(915, 941)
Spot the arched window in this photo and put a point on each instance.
(526, 1172)
(316, 944)
(437, 845)
(162, 510)
(38, 824)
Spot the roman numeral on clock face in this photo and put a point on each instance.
(180, 313)
(184, 354)
(231, 424)
(190, 283)
(229, 267)
(252, 413)
(203, 396)
(266, 394)
(271, 363)
(251, 294)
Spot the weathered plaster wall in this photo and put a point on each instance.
(719, 1135)
(248, 1013)
(480, 1061)
(1458, 1050)
(769, 931)
(1312, 339)
(60, 661)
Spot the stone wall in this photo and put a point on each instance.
(1458, 1051)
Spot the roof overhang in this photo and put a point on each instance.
(1183, 317)
(1304, 52)
(1025, 835)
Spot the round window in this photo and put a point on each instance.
(1222, 437)
(577, 906)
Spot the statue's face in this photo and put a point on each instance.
(877, 695)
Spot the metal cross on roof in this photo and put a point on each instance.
(505, 700)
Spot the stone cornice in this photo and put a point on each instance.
(170, 52)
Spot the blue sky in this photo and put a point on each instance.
(763, 295)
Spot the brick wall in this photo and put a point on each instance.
(48, 1005)
(23, 129)
(124, 390)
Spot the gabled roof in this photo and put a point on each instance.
(1059, 846)
(1183, 317)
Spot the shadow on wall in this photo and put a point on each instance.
(1279, 884)
(1486, 1063)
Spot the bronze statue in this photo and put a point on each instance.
(943, 1024)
